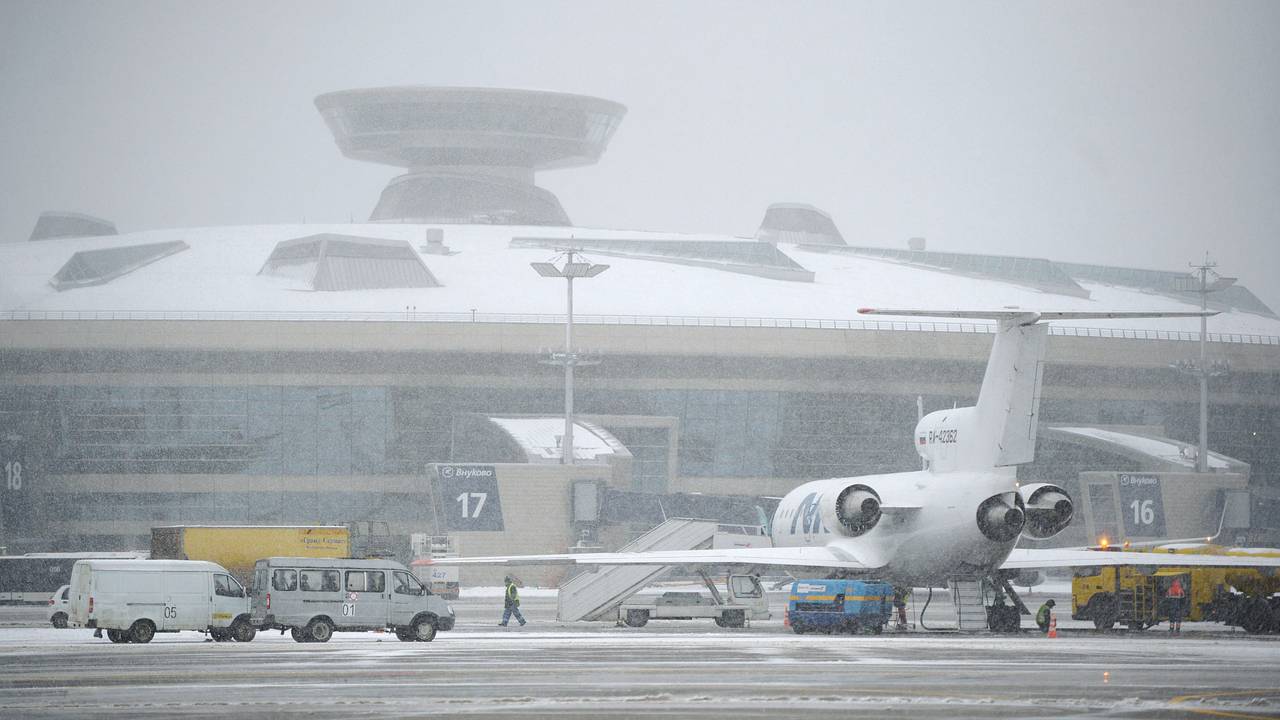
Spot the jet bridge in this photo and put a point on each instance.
(597, 595)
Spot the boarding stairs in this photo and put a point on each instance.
(971, 607)
(597, 595)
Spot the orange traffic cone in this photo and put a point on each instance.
(1053, 625)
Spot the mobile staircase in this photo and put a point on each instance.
(971, 609)
(597, 595)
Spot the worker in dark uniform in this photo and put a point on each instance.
(1043, 615)
(900, 596)
(511, 603)
(1177, 596)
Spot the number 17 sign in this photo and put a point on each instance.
(468, 497)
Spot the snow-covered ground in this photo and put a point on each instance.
(674, 669)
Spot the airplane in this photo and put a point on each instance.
(960, 516)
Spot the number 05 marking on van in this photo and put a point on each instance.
(170, 612)
(348, 609)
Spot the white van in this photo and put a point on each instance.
(313, 597)
(135, 599)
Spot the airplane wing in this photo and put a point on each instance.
(1031, 315)
(826, 558)
(1031, 559)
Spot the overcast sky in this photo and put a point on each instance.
(1130, 133)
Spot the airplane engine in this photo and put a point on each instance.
(1001, 517)
(857, 510)
(1049, 510)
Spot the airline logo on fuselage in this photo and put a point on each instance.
(807, 516)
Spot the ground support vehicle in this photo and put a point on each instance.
(135, 599)
(314, 597)
(1136, 596)
(743, 601)
(442, 579)
(238, 547)
(839, 606)
(29, 579)
(60, 607)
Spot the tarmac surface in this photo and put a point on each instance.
(666, 669)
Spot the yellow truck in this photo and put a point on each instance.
(238, 547)
(1136, 596)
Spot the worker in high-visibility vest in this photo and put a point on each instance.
(511, 603)
(1043, 615)
(1177, 597)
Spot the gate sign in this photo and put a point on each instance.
(468, 497)
(1141, 505)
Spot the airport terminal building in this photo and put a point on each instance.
(318, 374)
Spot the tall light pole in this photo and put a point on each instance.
(572, 268)
(1201, 283)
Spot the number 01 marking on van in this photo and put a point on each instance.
(348, 609)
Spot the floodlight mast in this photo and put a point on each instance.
(1202, 370)
(571, 269)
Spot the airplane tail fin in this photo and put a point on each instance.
(1003, 431)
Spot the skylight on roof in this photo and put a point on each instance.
(331, 262)
(95, 267)
(742, 256)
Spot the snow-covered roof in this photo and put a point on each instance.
(1162, 450)
(540, 438)
(490, 277)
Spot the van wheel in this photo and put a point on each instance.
(424, 630)
(404, 634)
(637, 618)
(298, 635)
(720, 622)
(219, 634)
(319, 630)
(60, 620)
(735, 618)
(242, 630)
(117, 636)
(142, 632)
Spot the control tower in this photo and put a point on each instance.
(471, 153)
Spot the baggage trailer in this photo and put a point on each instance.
(744, 601)
(238, 547)
(839, 606)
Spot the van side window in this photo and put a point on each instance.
(318, 580)
(406, 584)
(284, 580)
(365, 581)
(66, 593)
(226, 586)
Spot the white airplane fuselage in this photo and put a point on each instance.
(937, 538)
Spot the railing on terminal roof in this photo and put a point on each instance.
(643, 320)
